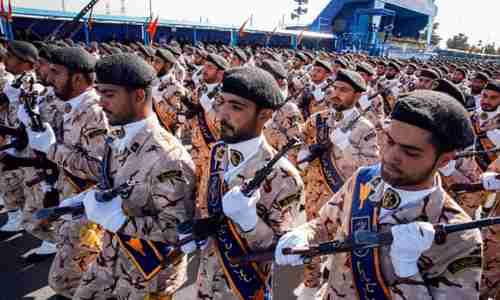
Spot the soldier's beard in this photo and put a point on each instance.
(398, 178)
(230, 135)
(66, 92)
(390, 76)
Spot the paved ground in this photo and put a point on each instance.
(29, 282)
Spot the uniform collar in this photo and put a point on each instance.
(485, 115)
(126, 133)
(239, 153)
(73, 104)
(211, 86)
(345, 115)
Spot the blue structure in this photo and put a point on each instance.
(366, 24)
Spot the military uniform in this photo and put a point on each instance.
(78, 152)
(326, 174)
(167, 105)
(485, 140)
(280, 194)
(165, 173)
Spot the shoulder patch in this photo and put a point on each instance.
(465, 263)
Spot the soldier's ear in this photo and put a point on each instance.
(140, 95)
(264, 115)
(445, 158)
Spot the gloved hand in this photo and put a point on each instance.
(449, 168)
(364, 102)
(72, 201)
(292, 239)
(409, 242)
(490, 181)
(303, 154)
(107, 214)
(240, 208)
(12, 93)
(189, 247)
(41, 141)
(206, 103)
(340, 138)
(23, 117)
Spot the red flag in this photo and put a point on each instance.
(242, 32)
(152, 29)
(300, 36)
(3, 10)
(9, 16)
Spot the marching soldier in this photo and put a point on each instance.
(390, 86)
(75, 150)
(350, 142)
(140, 150)
(477, 84)
(203, 124)
(20, 60)
(371, 101)
(459, 77)
(425, 79)
(402, 195)
(484, 120)
(253, 222)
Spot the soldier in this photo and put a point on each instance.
(350, 142)
(477, 84)
(203, 124)
(425, 79)
(459, 77)
(390, 86)
(253, 222)
(403, 195)
(239, 58)
(286, 121)
(313, 100)
(371, 101)
(75, 150)
(144, 152)
(20, 59)
(484, 121)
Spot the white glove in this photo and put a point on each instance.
(303, 154)
(292, 239)
(364, 102)
(494, 136)
(340, 139)
(41, 141)
(490, 181)
(478, 213)
(108, 214)
(12, 93)
(409, 242)
(189, 247)
(206, 102)
(449, 168)
(240, 208)
(181, 118)
(319, 95)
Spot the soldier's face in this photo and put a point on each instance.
(477, 85)
(158, 64)
(409, 160)
(117, 103)
(367, 77)
(490, 100)
(210, 72)
(239, 118)
(342, 96)
(318, 74)
(424, 83)
(60, 78)
(42, 70)
(391, 73)
(380, 70)
(235, 61)
(457, 77)
(12, 63)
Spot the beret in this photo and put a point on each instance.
(462, 70)
(75, 59)
(429, 73)
(219, 61)
(23, 50)
(323, 64)
(166, 55)
(382, 63)
(482, 76)
(309, 55)
(241, 54)
(493, 85)
(394, 65)
(438, 113)
(412, 65)
(275, 68)
(174, 50)
(253, 84)
(366, 68)
(114, 50)
(273, 56)
(353, 78)
(301, 56)
(447, 87)
(46, 52)
(342, 62)
(127, 70)
(147, 51)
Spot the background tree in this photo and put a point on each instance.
(489, 49)
(459, 42)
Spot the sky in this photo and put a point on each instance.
(478, 19)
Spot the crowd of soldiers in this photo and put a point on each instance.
(126, 160)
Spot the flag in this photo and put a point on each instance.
(300, 36)
(90, 21)
(9, 16)
(242, 32)
(3, 10)
(152, 29)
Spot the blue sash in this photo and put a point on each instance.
(365, 263)
(246, 280)
(328, 168)
(149, 257)
(208, 136)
